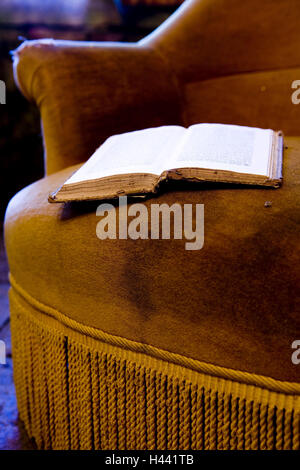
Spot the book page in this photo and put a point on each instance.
(225, 147)
(142, 151)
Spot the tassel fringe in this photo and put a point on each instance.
(76, 392)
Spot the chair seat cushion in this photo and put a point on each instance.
(233, 303)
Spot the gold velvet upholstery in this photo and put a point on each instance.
(195, 345)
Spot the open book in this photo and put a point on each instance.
(137, 162)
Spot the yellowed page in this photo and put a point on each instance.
(145, 151)
(225, 147)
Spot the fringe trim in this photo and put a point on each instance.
(78, 392)
(236, 375)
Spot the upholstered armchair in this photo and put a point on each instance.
(140, 344)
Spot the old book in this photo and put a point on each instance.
(135, 163)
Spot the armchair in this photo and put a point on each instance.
(139, 344)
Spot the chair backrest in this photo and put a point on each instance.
(235, 60)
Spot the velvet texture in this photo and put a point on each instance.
(212, 60)
(234, 304)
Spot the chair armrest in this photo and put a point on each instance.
(87, 91)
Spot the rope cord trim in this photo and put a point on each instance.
(198, 366)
